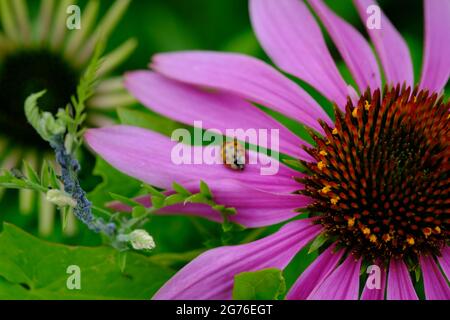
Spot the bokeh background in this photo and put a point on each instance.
(168, 25)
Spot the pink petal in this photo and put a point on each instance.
(436, 62)
(146, 155)
(444, 261)
(211, 275)
(341, 284)
(255, 208)
(315, 274)
(245, 76)
(390, 45)
(352, 46)
(400, 286)
(436, 287)
(376, 294)
(292, 38)
(217, 110)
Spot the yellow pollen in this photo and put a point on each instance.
(355, 112)
(373, 238)
(366, 231)
(323, 153)
(335, 200)
(427, 232)
(335, 131)
(367, 105)
(326, 189)
(351, 222)
(415, 99)
(321, 165)
(437, 229)
(410, 240)
(386, 238)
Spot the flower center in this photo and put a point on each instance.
(382, 177)
(26, 72)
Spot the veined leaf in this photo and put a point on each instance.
(266, 284)
(34, 269)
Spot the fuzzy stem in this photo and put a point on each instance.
(69, 176)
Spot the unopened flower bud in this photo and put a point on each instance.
(60, 198)
(141, 240)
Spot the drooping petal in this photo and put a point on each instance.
(436, 287)
(399, 285)
(255, 208)
(375, 293)
(314, 275)
(218, 110)
(245, 76)
(341, 284)
(211, 275)
(436, 62)
(389, 44)
(352, 46)
(155, 159)
(444, 261)
(292, 38)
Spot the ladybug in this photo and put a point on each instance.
(233, 155)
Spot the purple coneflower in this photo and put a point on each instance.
(377, 180)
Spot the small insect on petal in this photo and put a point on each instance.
(233, 155)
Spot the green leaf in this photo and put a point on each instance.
(197, 198)
(318, 242)
(124, 200)
(54, 181)
(138, 212)
(158, 202)
(265, 284)
(180, 189)
(174, 199)
(153, 191)
(171, 259)
(15, 180)
(228, 226)
(32, 268)
(204, 190)
(45, 175)
(112, 181)
(31, 174)
(65, 216)
(13, 291)
(417, 273)
(43, 122)
(122, 260)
